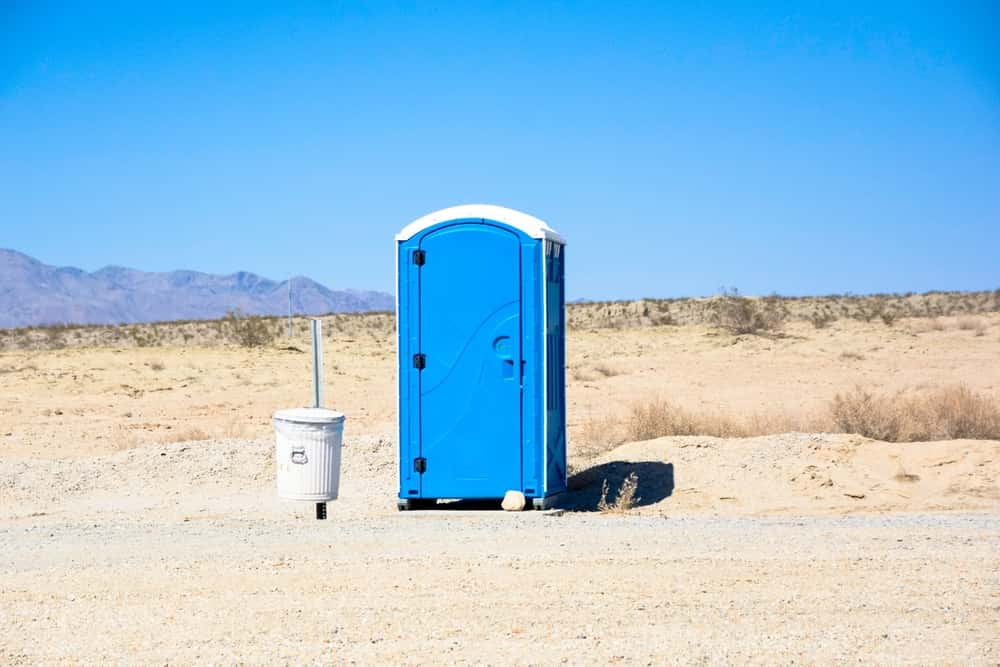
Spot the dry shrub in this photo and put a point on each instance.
(189, 434)
(248, 330)
(123, 438)
(822, 319)
(972, 324)
(743, 315)
(945, 414)
(237, 429)
(959, 412)
(624, 501)
(925, 325)
(590, 374)
(659, 418)
(864, 413)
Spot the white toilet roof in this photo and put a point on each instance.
(528, 224)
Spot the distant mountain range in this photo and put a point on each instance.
(33, 293)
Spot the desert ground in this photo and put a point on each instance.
(139, 522)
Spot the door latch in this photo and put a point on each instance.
(420, 465)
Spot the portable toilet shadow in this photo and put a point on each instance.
(480, 318)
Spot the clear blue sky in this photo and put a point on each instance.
(798, 148)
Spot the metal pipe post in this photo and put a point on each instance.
(289, 308)
(317, 340)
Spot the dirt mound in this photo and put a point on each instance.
(798, 473)
(792, 473)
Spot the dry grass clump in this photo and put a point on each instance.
(248, 330)
(624, 501)
(659, 418)
(866, 414)
(972, 324)
(742, 315)
(925, 325)
(581, 374)
(945, 414)
(821, 319)
(189, 434)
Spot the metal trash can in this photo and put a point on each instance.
(308, 444)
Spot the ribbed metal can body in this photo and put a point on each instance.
(307, 455)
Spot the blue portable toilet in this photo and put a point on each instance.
(480, 318)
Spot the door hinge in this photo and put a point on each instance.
(419, 257)
(420, 465)
(419, 361)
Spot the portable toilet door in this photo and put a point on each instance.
(480, 302)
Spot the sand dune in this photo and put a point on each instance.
(803, 474)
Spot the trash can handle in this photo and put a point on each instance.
(299, 455)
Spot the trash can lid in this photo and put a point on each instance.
(309, 415)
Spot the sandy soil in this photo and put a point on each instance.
(80, 402)
(181, 553)
(120, 545)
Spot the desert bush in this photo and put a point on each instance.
(924, 325)
(659, 418)
(944, 414)
(624, 501)
(189, 434)
(743, 315)
(866, 414)
(864, 313)
(875, 307)
(248, 330)
(821, 319)
(139, 337)
(663, 316)
(972, 324)
(959, 412)
(54, 339)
